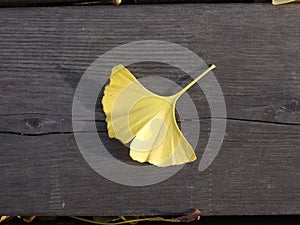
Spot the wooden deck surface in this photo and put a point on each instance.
(44, 53)
(22, 3)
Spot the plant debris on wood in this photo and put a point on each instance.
(111, 220)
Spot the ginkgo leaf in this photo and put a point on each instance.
(148, 120)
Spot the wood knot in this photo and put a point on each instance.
(32, 122)
(292, 106)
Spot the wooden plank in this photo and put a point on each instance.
(21, 3)
(44, 54)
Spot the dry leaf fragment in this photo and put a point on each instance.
(195, 215)
(28, 219)
(5, 218)
(135, 114)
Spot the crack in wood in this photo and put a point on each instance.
(72, 132)
(46, 133)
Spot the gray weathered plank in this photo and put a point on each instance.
(21, 3)
(45, 51)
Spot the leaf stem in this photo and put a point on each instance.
(127, 221)
(195, 80)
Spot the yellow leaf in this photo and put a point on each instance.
(279, 2)
(5, 218)
(135, 114)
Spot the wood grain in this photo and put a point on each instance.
(44, 53)
(22, 3)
